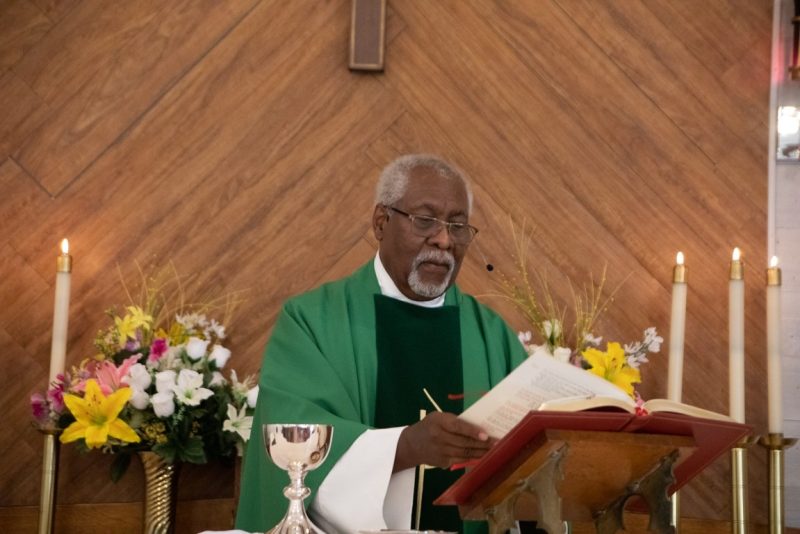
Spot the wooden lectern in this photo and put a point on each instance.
(579, 466)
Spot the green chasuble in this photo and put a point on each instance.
(321, 366)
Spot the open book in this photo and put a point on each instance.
(544, 383)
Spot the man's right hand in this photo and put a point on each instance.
(441, 440)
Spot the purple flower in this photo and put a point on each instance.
(83, 374)
(39, 407)
(55, 394)
(55, 397)
(157, 350)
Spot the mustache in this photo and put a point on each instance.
(434, 256)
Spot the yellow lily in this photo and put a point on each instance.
(96, 417)
(126, 328)
(177, 334)
(611, 365)
(139, 317)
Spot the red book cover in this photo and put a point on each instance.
(712, 438)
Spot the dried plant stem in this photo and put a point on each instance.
(162, 295)
(529, 291)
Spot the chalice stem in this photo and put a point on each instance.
(296, 521)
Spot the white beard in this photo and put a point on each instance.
(425, 289)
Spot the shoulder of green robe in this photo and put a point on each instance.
(465, 299)
(493, 323)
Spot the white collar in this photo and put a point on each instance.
(389, 289)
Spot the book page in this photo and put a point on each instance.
(535, 381)
(666, 405)
(579, 404)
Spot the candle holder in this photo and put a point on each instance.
(47, 499)
(739, 494)
(775, 443)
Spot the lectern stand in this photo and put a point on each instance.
(579, 472)
(580, 476)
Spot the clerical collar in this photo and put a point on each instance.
(389, 289)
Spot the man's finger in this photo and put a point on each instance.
(462, 442)
(459, 426)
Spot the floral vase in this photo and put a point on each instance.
(161, 489)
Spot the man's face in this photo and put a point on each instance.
(422, 268)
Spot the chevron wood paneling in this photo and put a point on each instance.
(22, 25)
(231, 139)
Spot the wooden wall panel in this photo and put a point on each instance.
(232, 140)
(139, 58)
(21, 25)
(21, 111)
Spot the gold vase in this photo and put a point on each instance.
(161, 489)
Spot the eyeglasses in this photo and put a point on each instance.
(425, 226)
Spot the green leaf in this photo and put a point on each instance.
(167, 451)
(192, 451)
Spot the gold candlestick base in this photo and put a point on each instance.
(739, 494)
(47, 499)
(776, 444)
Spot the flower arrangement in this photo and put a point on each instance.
(157, 384)
(619, 364)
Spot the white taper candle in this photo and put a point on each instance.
(677, 328)
(736, 383)
(774, 386)
(58, 346)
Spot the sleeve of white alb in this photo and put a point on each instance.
(361, 493)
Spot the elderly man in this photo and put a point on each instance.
(358, 353)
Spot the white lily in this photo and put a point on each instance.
(239, 423)
(189, 390)
(252, 396)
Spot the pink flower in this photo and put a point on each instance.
(39, 407)
(56, 399)
(640, 409)
(109, 377)
(55, 394)
(157, 350)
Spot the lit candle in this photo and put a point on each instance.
(774, 388)
(736, 337)
(58, 347)
(677, 327)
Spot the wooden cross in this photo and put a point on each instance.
(367, 35)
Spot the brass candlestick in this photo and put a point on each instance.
(47, 499)
(739, 494)
(775, 444)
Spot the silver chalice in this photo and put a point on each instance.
(297, 449)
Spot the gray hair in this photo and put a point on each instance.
(393, 181)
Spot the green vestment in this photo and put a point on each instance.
(321, 366)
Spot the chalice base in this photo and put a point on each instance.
(296, 525)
